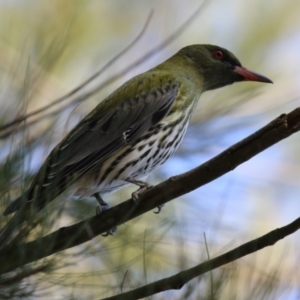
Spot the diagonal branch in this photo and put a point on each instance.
(15, 255)
(177, 281)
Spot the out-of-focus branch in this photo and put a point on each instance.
(17, 254)
(177, 281)
(113, 78)
(24, 274)
(81, 86)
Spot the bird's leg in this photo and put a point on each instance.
(102, 204)
(101, 208)
(143, 187)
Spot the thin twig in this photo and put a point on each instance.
(147, 56)
(86, 82)
(210, 273)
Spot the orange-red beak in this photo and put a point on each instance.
(250, 75)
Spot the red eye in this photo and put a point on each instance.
(218, 54)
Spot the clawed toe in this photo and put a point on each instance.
(101, 208)
(112, 231)
(143, 187)
(136, 195)
(159, 208)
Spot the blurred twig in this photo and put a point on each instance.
(17, 254)
(85, 83)
(85, 96)
(24, 274)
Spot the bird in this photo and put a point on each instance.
(134, 130)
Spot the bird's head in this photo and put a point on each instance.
(218, 66)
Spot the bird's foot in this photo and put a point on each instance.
(103, 206)
(143, 187)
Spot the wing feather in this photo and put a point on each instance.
(102, 133)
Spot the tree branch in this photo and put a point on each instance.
(15, 255)
(179, 280)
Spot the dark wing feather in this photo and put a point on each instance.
(113, 124)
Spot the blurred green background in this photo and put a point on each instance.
(47, 48)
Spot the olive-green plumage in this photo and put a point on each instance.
(135, 129)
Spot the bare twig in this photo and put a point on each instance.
(85, 83)
(211, 275)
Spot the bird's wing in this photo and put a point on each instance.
(116, 122)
